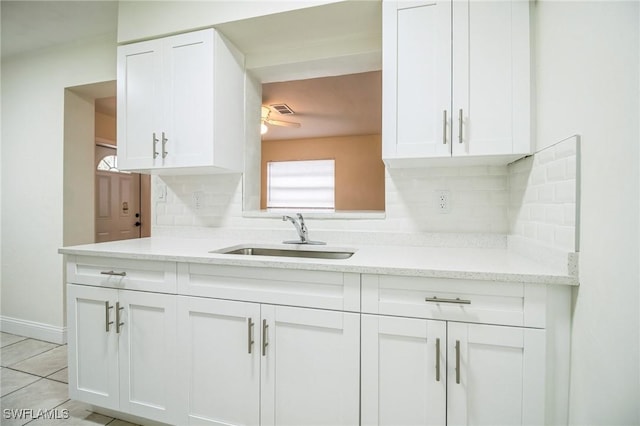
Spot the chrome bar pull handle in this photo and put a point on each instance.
(164, 145)
(458, 361)
(250, 341)
(444, 128)
(265, 341)
(440, 300)
(106, 316)
(113, 273)
(460, 138)
(119, 324)
(438, 359)
(155, 143)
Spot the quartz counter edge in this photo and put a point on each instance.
(470, 264)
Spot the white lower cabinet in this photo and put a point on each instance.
(122, 351)
(431, 372)
(191, 344)
(247, 364)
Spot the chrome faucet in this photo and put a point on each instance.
(303, 233)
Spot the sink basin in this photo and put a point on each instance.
(287, 252)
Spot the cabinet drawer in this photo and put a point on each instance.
(315, 289)
(146, 275)
(452, 299)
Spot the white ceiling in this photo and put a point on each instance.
(328, 106)
(324, 106)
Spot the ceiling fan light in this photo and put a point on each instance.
(263, 128)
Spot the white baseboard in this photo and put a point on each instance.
(34, 330)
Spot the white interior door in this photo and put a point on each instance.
(117, 202)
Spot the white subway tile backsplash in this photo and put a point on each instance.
(545, 156)
(533, 198)
(543, 200)
(479, 200)
(565, 191)
(556, 171)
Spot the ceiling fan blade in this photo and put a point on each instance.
(264, 113)
(282, 123)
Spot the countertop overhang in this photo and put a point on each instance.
(455, 263)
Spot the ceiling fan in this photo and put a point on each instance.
(266, 114)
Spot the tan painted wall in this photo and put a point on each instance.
(359, 168)
(105, 128)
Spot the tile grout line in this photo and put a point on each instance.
(57, 406)
(32, 356)
(11, 344)
(48, 377)
(19, 389)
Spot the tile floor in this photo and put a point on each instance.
(34, 379)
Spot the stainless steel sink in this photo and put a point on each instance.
(286, 252)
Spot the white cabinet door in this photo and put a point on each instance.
(93, 345)
(417, 78)
(491, 78)
(140, 87)
(188, 99)
(403, 371)
(147, 355)
(495, 375)
(219, 355)
(310, 368)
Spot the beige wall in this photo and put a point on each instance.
(33, 101)
(359, 168)
(105, 128)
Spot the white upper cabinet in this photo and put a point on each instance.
(456, 80)
(181, 104)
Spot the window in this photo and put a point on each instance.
(109, 163)
(301, 185)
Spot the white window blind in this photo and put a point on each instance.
(301, 185)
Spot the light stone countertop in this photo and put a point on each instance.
(461, 263)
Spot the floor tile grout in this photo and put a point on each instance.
(27, 385)
(38, 379)
(25, 372)
(32, 356)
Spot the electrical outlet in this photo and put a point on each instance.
(198, 200)
(161, 193)
(443, 199)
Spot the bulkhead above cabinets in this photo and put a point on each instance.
(333, 39)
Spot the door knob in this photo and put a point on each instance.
(138, 224)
